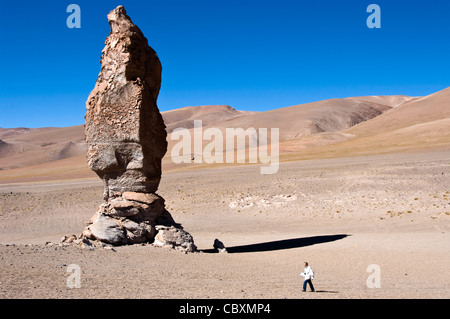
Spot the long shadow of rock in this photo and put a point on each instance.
(281, 244)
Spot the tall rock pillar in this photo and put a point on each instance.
(126, 139)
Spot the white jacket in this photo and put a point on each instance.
(308, 273)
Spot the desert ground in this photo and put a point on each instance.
(340, 214)
(363, 181)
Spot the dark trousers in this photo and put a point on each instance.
(308, 281)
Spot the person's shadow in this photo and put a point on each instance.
(281, 244)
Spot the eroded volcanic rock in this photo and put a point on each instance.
(126, 139)
(124, 129)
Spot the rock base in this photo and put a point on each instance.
(133, 218)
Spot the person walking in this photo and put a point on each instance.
(308, 274)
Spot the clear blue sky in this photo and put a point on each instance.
(250, 54)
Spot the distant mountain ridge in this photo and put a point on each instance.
(330, 127)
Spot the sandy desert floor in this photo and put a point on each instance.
(341, 215)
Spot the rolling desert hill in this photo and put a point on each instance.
(307, 119)
(6, 149)
(417, 124)
(306, 126)
(25, 147)
(390, 100)
(323, 129)
(21, 147)
(209, 114)
(421, 110)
